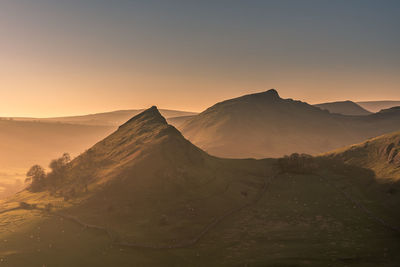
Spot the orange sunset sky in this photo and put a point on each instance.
(76, 57)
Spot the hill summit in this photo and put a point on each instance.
(269, 94)
(149, 116)
(144, 139)
(265, 125)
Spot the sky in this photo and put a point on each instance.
(69, 57)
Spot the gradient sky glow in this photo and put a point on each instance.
(71, 57)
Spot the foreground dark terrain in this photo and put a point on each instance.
(146, 196)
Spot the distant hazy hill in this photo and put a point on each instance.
(23, 143)
(265, 125)
(179, 121)
(381, 154)
(375, 106)
(145, 196)
(343, 107)
(113, 118)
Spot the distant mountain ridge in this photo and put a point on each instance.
(112, 118)
(265, 125)
(344, 107)
(375, 106)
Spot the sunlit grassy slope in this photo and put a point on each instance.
(381, 154)
(154, 193)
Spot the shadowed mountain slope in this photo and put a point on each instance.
(344, 108)
(265, 125)
(380, 154)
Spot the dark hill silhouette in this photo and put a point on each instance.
(343, 107)
(265, 125)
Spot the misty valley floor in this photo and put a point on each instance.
(301, 220)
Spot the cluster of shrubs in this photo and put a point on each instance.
(39, 180)
(298, 163)
(59, 179)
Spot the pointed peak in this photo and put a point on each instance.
(153, 111)
(150, 115)
(272, 93)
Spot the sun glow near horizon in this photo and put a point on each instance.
(70, 58)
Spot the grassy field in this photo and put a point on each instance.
(302, 220)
